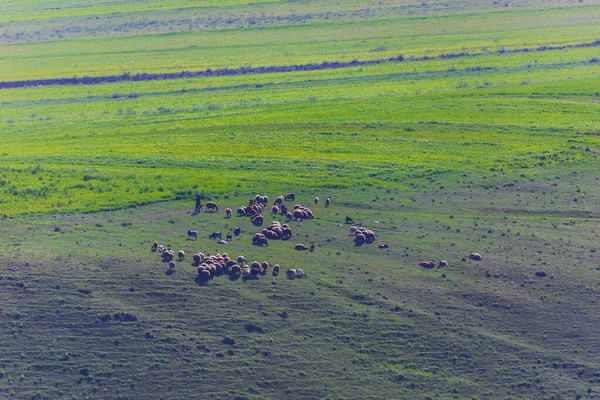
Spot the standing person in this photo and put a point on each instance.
(198, 203)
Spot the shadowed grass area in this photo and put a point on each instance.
(91, 310)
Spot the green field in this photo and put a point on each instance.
(462, 127)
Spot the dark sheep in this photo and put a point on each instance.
(181, 255)
(427, 264)
(228, 212)
(276, 268)
(241, 211)
(215, 235)
(193, 235)
(383, 245)
(316, 200)
(290, 197)
(236, 270)
(312, 247)
(263, 241)
(349, 220)
(171, 264)
(300, 246)
(154, 246)
(237, 230)
(442, 263)
(475, 256)
(327, 202)
(274, 210)
(229, 236)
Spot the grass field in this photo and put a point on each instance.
(482, 137)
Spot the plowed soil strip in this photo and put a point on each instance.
(267, 70)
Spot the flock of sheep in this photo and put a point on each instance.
(220, 264)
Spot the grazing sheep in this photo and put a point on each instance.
(229, 236)
(215, 235)
(316, 200)
(349, 220)
(475, 256)
(290, 197)
(171, 264)
(275, 210)
(246, 273)
(241, 211)
(276, 269)
(264, 266)
(236, 270)
(427, 264)
(286, 233)
(181, 255)
(154, 245)
(237, 230)
(369, 236)
(442, 263)
(241, 260)
(312, 247)
(300, 246)
(205, 274)
(383, 245)
(221, 241)
(171, 255)
(359, 239)
(299, 273)
(291, 273)
(257, 220)
(197, 259)
(353, 231)
(278, 200)
(289, 216)
(193, 235)
(211, 206)
(263, 241)
(228, 212)
(327, 202)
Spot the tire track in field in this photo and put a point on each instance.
(127, 77)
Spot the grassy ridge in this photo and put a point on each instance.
(362, 315)
(297, 43)
(127, 143)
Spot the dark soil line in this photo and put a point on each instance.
(267, 70)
